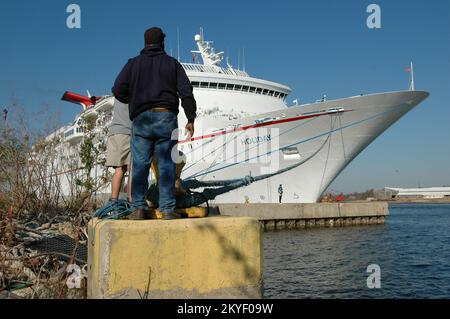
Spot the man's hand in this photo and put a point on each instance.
(190, 129)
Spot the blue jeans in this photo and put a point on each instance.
(151, 133)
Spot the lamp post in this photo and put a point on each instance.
(5, 120)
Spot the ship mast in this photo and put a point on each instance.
(411, 84)
(205, 49)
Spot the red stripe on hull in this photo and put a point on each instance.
(244, 128)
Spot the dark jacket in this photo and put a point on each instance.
(154, 79)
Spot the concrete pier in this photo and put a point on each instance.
(215, 257)
(300, 216)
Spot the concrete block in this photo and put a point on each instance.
(301, 223)
(269, 225)
(329, 222)
(216, 257)
(338, 222)
(320, 222)
(347, 222)
(310, 223)
(290, 224)
(280, 225)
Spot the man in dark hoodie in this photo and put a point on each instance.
(152, 84)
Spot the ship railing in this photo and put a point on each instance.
(73, 132)
(213, 69)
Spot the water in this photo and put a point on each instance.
(412, 250)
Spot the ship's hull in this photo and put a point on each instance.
(302, 148)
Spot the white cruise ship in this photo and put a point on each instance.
(246, 129)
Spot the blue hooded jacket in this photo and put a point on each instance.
(154, 79)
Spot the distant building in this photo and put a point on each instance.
(385, 194)
(426, 193)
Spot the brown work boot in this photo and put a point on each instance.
(170, 216)
(139, 214)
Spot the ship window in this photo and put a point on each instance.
(245, 88)
(230, 86)
(222, 86)
(68, 133)
(271, 93)
(213, 85)
(277, 94)
(258, 91)
(265, 92)
(238, 87)
(195, 84)
(252, 89)
(204, 85)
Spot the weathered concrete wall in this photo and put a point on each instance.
(216, 257)
(297, 216)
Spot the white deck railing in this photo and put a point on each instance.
(213, 69)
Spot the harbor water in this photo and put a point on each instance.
(412, 250)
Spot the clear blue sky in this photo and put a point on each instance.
(315, 47)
